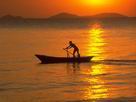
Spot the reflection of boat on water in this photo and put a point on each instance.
(49, 59)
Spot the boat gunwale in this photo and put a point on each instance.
(50, 59)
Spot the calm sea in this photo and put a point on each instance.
(110, 77)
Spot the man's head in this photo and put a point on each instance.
(70, 42)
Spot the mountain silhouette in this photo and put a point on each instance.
(10, 17)
(64, 15)
(65, 19)
(101, 15)
(108, 15)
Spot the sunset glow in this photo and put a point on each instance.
(96, 2)
(46, 8)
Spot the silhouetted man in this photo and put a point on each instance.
(76, 49)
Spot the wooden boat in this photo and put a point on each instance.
(49, 59)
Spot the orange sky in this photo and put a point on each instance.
(45, 8)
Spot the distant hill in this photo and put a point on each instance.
(66, 20)
(73, 16)
(109, 15)
(64, 16)
(10, 17)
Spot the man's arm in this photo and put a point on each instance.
(68, 47)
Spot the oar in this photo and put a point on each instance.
(68, 51)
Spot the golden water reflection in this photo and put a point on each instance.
(97, 88)
(96, 42)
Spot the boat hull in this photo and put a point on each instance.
(49, 59)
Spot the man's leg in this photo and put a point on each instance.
(78, 53)
(74, 53)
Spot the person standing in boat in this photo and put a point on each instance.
(76, 49)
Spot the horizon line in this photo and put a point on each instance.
(66, 13)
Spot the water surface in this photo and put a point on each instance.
(109, 77)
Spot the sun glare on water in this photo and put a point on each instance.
(96, 42)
